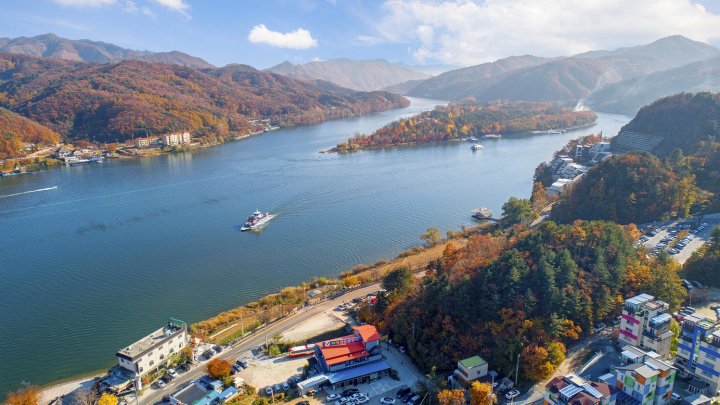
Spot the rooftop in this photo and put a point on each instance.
(472, 362)
(368, 333)
(152, 340)
(343, 349)
(639, 299)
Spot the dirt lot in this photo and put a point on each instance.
(322, 323)
(263, 370)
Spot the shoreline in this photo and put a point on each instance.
(414, 261)
(335, 148)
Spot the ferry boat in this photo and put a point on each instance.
(477, 146)
(79, 162)
(492, 136)
(256, 220)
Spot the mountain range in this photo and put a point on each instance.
(604, 78)
(363, 75)
(119, 100)
(84, 50)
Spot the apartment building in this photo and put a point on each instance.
(176, 139)
(645, 323)
(698, 353)
(154, 350)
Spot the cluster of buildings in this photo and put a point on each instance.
(566, 169)
(172, 139)
(348, 360)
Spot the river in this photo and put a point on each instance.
(118, 248)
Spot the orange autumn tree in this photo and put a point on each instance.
(451, 397)
(23, 396)
(481, 394)
(219, 368)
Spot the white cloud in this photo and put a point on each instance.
(298, 39)
(85, 3)
(466, 32)
(131, 7)
(175, 5)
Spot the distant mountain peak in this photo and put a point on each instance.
(364, 75)
(84, 50)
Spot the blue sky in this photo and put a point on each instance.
(460, 32)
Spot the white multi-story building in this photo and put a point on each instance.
(175, 139)
(154, 350)
(645, 323)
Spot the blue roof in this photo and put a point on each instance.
(570, 390)
(661, 318)
(349, 373)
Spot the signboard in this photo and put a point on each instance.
(342, 342)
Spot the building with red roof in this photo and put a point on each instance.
(351, 359)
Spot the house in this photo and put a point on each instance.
(154, 350)
(348, 360)
(204, 391)
(558, 186)
(699, 354)
(470, 369)
(645, 323)
(574, 390)
(648, 382)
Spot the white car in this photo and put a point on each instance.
(512, 394)
(361, 399)
(342, 401)
(172, 373)
(160, 383)
(387, 401)
(599, 327)
(332, 397)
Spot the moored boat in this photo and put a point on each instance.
(477, 146)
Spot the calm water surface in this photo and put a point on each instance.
(120, 247)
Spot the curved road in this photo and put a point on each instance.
(153, 395)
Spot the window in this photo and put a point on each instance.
(151, 363)
(705, 373)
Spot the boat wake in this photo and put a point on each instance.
(29, 192)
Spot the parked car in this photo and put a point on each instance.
(160, 383)
(303, 403)
(387, 401)
(183, 367)
(172, 372)
(675, 396)
(361, 399)
(408, 396)
(342, 401)
(268, 391)
(166, 398)
(349, 392)
(285, 386)
(217, 349)
(414, 400)
(242, 361)
(332, 397)
(166, 378)
(599, 327)
(277, 388)
(512, 394)
(402, 392)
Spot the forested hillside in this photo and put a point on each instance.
(529, 293)
(686, 121)
(116, 101)
(16, 131)
(628, 188)
(464, 119)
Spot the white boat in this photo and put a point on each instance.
(492, 136)
(477, 146)
(471, 139)
(256, 220)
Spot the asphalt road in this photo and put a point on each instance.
(153, 395)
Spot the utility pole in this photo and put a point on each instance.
(242, 324)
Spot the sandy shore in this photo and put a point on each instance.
(49, 393)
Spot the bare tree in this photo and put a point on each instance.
(84, 396)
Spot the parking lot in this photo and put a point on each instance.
(667, 236)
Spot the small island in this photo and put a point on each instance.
(471, 119)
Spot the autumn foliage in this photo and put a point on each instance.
(16, 131)
(525, 293)
(116, 101)
(219, 368)
(23, 396)
(451, 397)
(465, 119)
